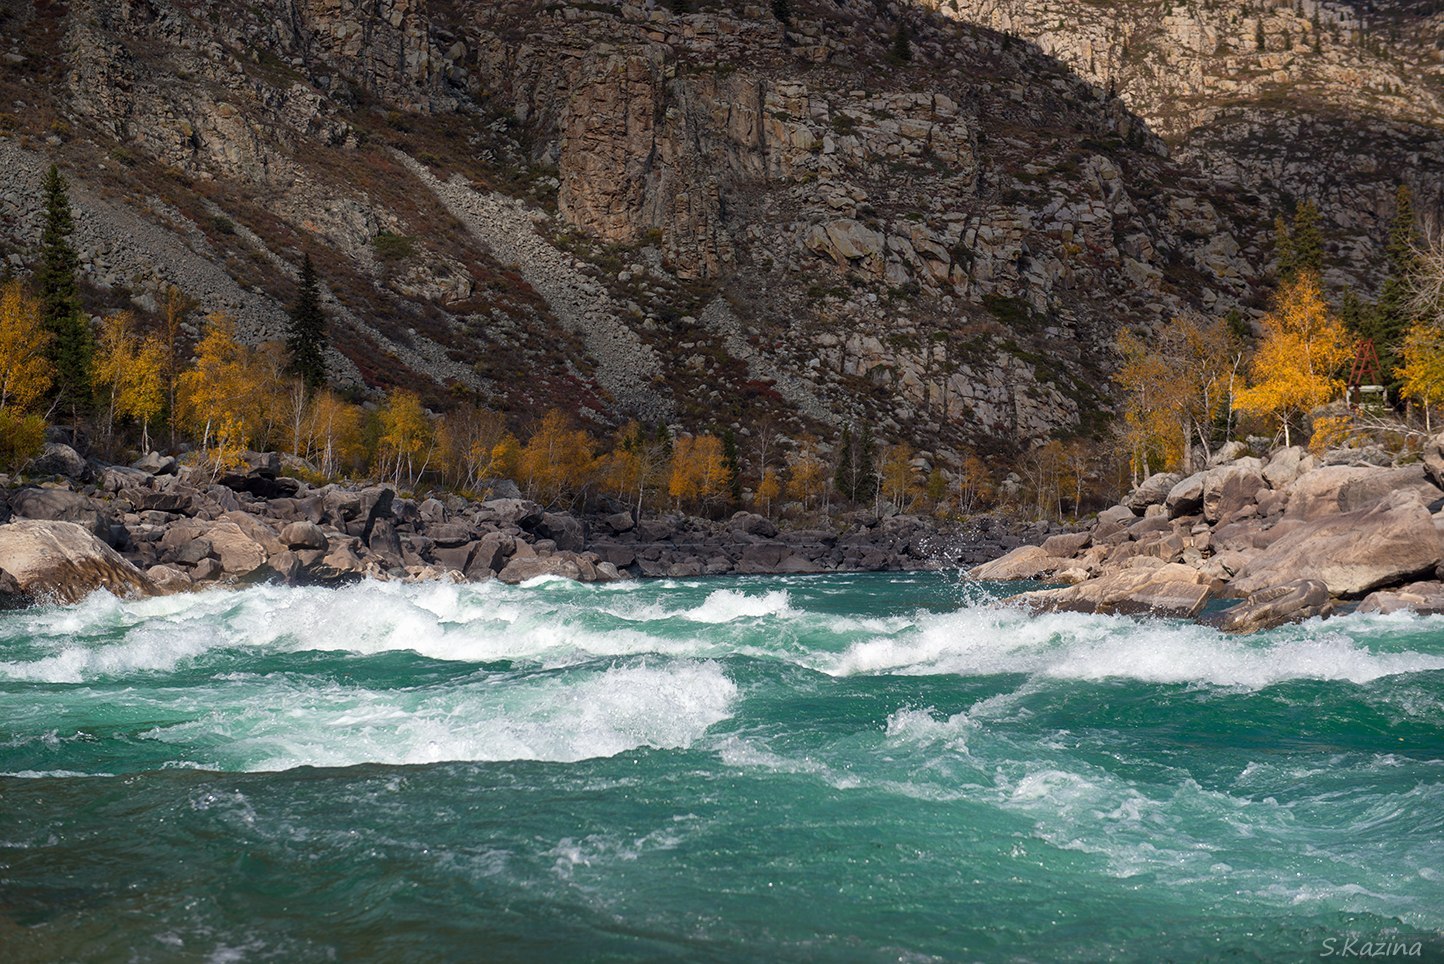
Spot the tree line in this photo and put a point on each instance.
(1197, 381)
(135, 384)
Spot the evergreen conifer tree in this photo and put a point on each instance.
(902, 45)
(73, 342)
(731, 464)
(846, 456)
(866, 462)
(1307, 238)
(306, 334)
(1392, 315)
(1283, 249)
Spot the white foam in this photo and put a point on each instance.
(996, 640)
(726, 605)
(283, 723)
(558, 623)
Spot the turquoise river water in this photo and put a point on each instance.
(858, 768)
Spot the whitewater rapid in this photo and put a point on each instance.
(557, 671)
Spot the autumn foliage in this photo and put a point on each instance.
(1297, 365)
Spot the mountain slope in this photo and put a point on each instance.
(1336, 102)
(714, 218)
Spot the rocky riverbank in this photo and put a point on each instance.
(159, 527)
(1292, 536)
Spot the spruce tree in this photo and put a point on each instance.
(844, 479)
(1392, 315)
(73, 343)
(902, 45)
(1307, 238)
(732, 464)
(1283, 250)
(866, 462)
(306, 333)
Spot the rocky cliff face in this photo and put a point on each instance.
(710, 217)
(1338, 102)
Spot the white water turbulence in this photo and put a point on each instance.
(715, 769)
(558, 671)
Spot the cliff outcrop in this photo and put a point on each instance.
(711, 217)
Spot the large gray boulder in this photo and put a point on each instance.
(569, 565)
(1186, 496)
(1229, 488)
(1347, 488)
(1167, 590)
(1113, 519)
(303, 535)
(517, 512)
(58, 458)
(1152, 490)
(154, 463)
(62, 505)
(48, 561)
(1286, 465)
(1024, 562)
(1351, 552)
(1425, 598)
(564, 529)
(1289, 603)
(753, 524)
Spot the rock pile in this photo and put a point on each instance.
(1291, 535)
(157, 526)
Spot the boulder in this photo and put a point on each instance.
(385, 543)
(490, 554)
(1350, 553)
(303, 535)
(1024, 562)
(153, 463)
(1424, 598)
(761, 558)
(340, 563)
(566, 564)
(1229, 488)
(448, 535)
(1284, 466)
(1433, 455)
(114, 478)
(168, 579)
(374, 504)
(1288, 603)
(1166, 590)
(261, 486)
(1227, 452)
(516, 512)
(432, 511)
(1186, 496)
(52, 561)
(58, 458)
(619, 522)
(1112, 520)
(1347, 488)
(237, 552)
(256, 530)
(263, 464)
(1066, 545)
(753, 524)
(564, 529)
(62, 505)
(1152, 490)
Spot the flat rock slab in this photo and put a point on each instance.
(1168, 590)
(1350, 553)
